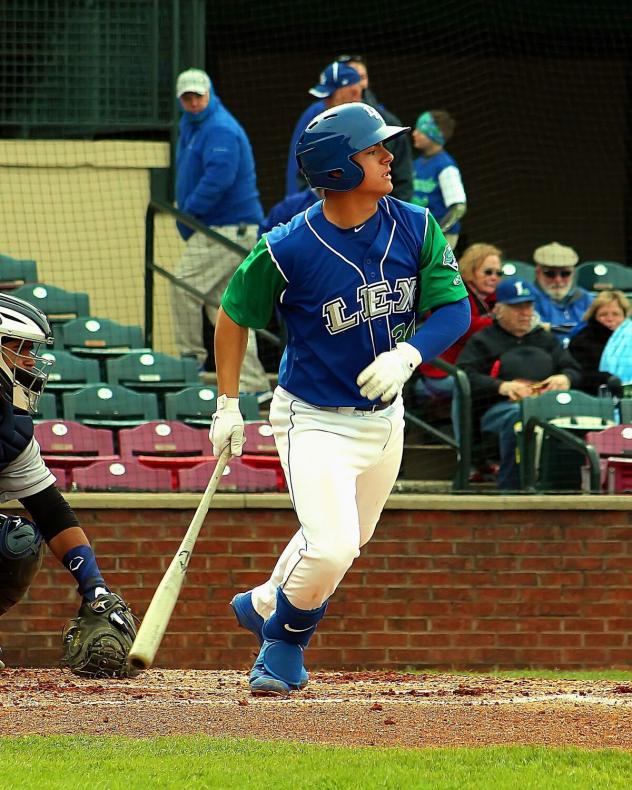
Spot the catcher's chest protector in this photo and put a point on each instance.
(21, 552)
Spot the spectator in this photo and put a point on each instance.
(338, 84)
(605, 314)
(480, 269)
(285, 209)
(512, 359)
(402, 166)
(559, 302)
(437, 179)
(617, 355)
(216, 184)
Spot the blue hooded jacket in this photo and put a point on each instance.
(215, 169)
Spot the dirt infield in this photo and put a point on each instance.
(361, 708)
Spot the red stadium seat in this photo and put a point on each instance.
(237, 477)
(128, 475)
(609, 443)
(166, 444)
(619, 475)
(63, 483)
(68, 445)
(259, 438)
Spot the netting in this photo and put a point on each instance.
(539, 91)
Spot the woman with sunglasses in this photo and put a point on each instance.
(558, 301)
(480, 268)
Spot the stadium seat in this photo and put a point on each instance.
(152, 371)
(110, 406)
(604, 275)
(522, 269)
(619, 472)
(610, 443)
(69, 373)
(102, 339)
(259, 438)
(168, 445)
(196, 405)
(558, 449)
(625, 410)
(68, 445)
(14, 272)
(128, 475)
(237, 477)
(46, 408)
(62, 482)
(59, 305)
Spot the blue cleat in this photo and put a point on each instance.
(278, 670)
(248, 617)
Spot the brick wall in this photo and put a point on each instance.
(435, 588)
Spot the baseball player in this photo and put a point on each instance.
(350, 275)
(97, 641)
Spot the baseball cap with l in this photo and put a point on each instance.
(336, 75)
(193, 81)
(555, 254)
(511, 290)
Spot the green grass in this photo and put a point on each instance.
(191, 763)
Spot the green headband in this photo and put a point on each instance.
(427, 125)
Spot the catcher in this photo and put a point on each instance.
(97, 641)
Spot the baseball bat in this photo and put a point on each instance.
(161, 606)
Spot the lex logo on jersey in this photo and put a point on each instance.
(376, 300)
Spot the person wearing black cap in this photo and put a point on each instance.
(512, 359)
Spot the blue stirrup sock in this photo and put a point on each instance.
(82, 563)
(289, 624)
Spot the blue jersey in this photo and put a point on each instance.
(426, 188)
(346, 295)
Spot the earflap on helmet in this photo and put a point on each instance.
(325, 149)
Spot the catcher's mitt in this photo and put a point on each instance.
(97, 641)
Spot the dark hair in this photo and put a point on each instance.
(445, 122)
(351, 59)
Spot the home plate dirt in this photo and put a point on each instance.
(359, 708)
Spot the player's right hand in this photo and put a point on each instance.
(227, 427)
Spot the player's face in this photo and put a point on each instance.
(610, 315)
(555, 281)
(345, 95)
(421, 142)
(487, 275)
(517, 319)
(376, 163)
(194, 102)
(18, 354)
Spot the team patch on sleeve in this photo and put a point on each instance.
(449, 259)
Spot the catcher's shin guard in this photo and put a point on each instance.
(96, 642)
(21, 552)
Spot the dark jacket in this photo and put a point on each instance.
(586, 347)
(16, 431)
(484, 353)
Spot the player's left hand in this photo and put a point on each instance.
(386, 376)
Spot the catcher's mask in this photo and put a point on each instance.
(24, 330)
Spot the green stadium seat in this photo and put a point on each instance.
(46, 407)
(102, 339)
(196, 405)
(559, 458)
(144, 371)
(625, 410)
(56, 303)
(69, 373)
(521, 269)
(110, 406)
(15, 272)
(604, 275)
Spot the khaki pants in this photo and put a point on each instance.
(208, 266)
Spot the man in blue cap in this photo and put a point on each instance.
(512, 359)
(338, 84)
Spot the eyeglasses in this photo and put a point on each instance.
(551, 274)
(490, 272)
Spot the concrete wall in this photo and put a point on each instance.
(78, 209)
(446, 582)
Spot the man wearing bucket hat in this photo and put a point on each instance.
(437, 180)
(558, 301)
(512, 359)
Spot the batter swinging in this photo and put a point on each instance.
(349, 275)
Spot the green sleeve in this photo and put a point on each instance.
(439, 278)
(254, 289)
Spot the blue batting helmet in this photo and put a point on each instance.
(333, 137)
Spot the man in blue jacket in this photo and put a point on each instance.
(215, 183)
(558, 301)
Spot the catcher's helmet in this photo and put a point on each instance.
(333, 137)
(19, 320)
